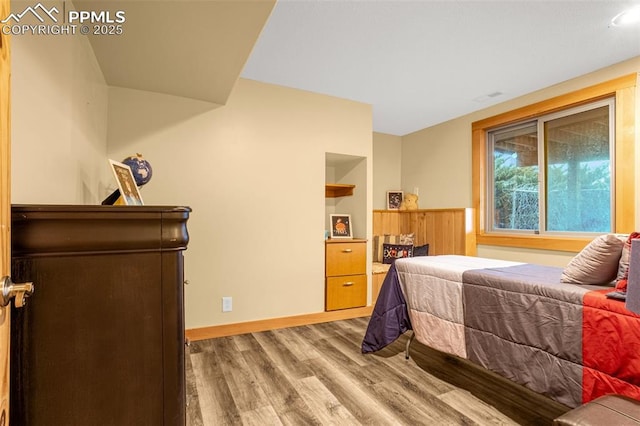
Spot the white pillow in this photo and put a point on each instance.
(597, 263)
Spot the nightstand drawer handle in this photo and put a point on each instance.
(348, 284)
(347, 251)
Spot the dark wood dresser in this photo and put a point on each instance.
(101, 341)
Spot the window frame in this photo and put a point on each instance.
(623, 89)
(539, 124)
(490, 188)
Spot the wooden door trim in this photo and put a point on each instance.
(5, 208)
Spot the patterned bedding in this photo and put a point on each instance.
(566, 341)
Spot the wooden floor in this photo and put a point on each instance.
(316, 375)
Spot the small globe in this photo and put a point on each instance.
(140, 168)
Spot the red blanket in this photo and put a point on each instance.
(610, 348)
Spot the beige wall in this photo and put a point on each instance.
(59, 122)
(387, 160)
(438, 159)
(253, 171)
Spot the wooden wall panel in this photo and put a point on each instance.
(458, 228)
(385, 223)
(447, 231)
(421, 227)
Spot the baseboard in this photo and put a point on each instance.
(203, 333)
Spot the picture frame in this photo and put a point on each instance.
(126, 183)
(341, 226)
(394, 199)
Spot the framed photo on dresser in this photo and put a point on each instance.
(126, 184)
(341, 226)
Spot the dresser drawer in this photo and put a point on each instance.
(344, 292)
(346, 258)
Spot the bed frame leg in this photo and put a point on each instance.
(406, 350)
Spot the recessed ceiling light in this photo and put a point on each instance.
(627, 17)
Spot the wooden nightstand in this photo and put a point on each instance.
(346, 274)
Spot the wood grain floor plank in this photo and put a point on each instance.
(354, 327)
(323, 403)
(197, 346)
(240, 380)
(247, 342)
(378, 369)
(334, 354)
(302, 348)
(326, 330)
(403, 395)
(396, 364)
(194, 414)
(420, 389)
(244, 342)
(312, 333)
(361, 323)
(346, 344)
(280, 354)
(410, 411)
(475, 409)
(351, 395)
(346, 348)
(260, 417)
(283, 396)
(216, 402)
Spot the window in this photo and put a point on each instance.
(532, 188)
(553, 174)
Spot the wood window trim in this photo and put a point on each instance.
(624, 90)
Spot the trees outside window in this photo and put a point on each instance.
(553, 174)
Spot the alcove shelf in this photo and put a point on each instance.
(333, 190)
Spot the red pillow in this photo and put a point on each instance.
(621, 285)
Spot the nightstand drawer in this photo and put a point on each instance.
(344, 292)
(346, 258)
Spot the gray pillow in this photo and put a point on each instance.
(623, 269)
(597, 263)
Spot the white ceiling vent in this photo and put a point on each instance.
(488, 96)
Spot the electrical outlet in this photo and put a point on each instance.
(227, 304)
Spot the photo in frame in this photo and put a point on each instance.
(394, 199)
(341, 226)
(126, 183)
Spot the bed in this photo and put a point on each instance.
(568, 342)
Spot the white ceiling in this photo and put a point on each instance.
(421, 62)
